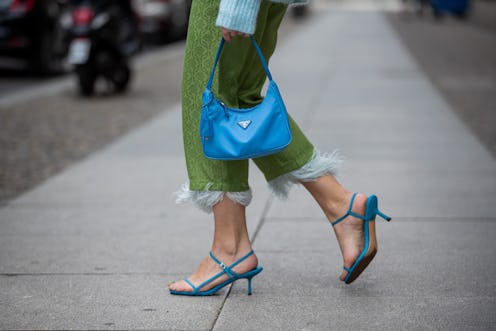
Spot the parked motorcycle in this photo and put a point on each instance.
(104, 35)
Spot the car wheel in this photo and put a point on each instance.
(41, 62)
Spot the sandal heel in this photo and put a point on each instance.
(249, 285)
(384, 216)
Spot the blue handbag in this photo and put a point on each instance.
(238, 134)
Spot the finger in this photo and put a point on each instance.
(226, 35)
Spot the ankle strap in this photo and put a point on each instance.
(227, 269)
(349, 212)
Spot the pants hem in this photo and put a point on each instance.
(319, 165)
(206, 199)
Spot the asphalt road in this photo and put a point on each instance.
(14, 76)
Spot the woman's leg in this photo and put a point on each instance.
(219, 186)
(301, 163)
(231, 242)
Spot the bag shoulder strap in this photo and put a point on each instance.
(219, 50)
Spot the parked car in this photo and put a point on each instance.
(30, 30)
(163, 20)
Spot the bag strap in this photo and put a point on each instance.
(260, 55)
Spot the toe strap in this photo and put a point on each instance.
(225, 270)
(195, 289)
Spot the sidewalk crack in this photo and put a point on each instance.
(255, 234)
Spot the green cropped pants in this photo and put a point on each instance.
(238, 81)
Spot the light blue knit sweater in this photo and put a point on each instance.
(241, 15)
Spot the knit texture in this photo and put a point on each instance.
(238, 15)
(241, 15)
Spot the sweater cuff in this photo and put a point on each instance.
(238, 15)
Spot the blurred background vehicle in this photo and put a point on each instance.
(457, 7)
(163, 20)
(104, 34)
(299, 11)
(30, 31)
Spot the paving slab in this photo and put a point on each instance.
(359, 313)
(301, 257)
(429, 274)
(402, 141)
(389, 121)
(94, 246)
(96, 302)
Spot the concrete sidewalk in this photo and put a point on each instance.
(94, 247)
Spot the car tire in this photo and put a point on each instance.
(41, 62)
(47, 59)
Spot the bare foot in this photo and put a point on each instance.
(349, 233)
(209, 268)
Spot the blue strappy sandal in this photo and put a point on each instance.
(233, 276)
(370, 247)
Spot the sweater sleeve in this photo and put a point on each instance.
(238, 15)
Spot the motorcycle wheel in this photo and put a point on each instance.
(86, 77)
(121, 78)
(299, 11)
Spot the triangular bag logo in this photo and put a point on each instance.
(244, 124)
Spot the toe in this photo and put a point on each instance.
(343, 275)
(181, 286)
(172, 285)
(177, 285)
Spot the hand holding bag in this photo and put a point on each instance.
(237, 134)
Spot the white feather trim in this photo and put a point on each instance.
(206, 199)
(318, 165)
